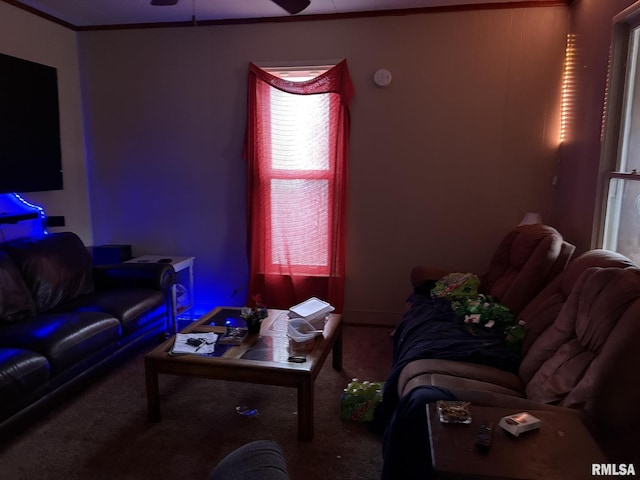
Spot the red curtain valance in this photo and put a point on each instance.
(334, 80)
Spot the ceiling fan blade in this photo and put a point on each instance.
(293, 6)
(163, 3)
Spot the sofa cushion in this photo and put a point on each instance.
(21, 372)
(542, 311)
(455, 369)
(56, 268)
(135, 308)
(453, 383)
(16, 302)
(64, 338)
(586, 359)
(522, 264)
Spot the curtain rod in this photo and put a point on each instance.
(298, 64)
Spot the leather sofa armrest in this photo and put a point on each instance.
(157, 276)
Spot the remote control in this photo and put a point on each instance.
(297, 358)
(483, 437)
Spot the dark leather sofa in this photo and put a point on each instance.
(62, 319)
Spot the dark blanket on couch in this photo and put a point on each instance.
(431, 330)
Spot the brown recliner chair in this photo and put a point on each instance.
(526, 260)
(542, 311)
(584, 358)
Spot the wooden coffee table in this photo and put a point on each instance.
(561, 448)
(261, 358)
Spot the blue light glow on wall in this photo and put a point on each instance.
(20, 218)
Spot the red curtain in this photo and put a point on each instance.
(296, 150)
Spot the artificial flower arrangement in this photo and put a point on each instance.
(483, 310)
(456, 285)
(254, 315)
(461, 289)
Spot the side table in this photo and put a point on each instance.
(179, 264)
(561, 448)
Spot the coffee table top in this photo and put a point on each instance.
(268, 349)
(562, 447)
(261, 358)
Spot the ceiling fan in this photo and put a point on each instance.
(291, 6)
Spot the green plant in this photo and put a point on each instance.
(484, 310)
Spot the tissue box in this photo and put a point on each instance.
(519, 423)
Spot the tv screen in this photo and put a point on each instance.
(30, 154)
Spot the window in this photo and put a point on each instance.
(296, 149)
(300, 181)
(620, 229)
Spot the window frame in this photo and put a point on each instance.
(269, 173)
(612, 142)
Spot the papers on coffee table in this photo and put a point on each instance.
(198, 343)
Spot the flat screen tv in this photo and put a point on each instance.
(30, 154)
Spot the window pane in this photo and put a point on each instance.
(623, 218)
(630, 141)
(299, 131)
(300, 222)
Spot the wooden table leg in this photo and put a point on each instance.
(305, 410)
(337, 351)
(153, 393)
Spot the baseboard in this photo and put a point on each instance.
(371, 318)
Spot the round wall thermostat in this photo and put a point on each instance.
(382, 77)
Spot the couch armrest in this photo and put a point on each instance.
(157, 276)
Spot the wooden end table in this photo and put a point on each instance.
(561, 448)
(261, 358)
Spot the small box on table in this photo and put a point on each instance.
(519, 423)
(313, 311)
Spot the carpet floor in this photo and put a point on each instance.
(102, 432)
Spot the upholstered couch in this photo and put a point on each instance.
(525, 261)
(257, 460)
(63, 319)
(581, 354)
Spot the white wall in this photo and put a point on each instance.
(443, 162)
(32, 38)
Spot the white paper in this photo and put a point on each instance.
(207, 347)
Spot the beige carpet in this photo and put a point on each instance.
(103, 432)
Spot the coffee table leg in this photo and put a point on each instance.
(153, 393)
(305, 411)
(337, 351)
